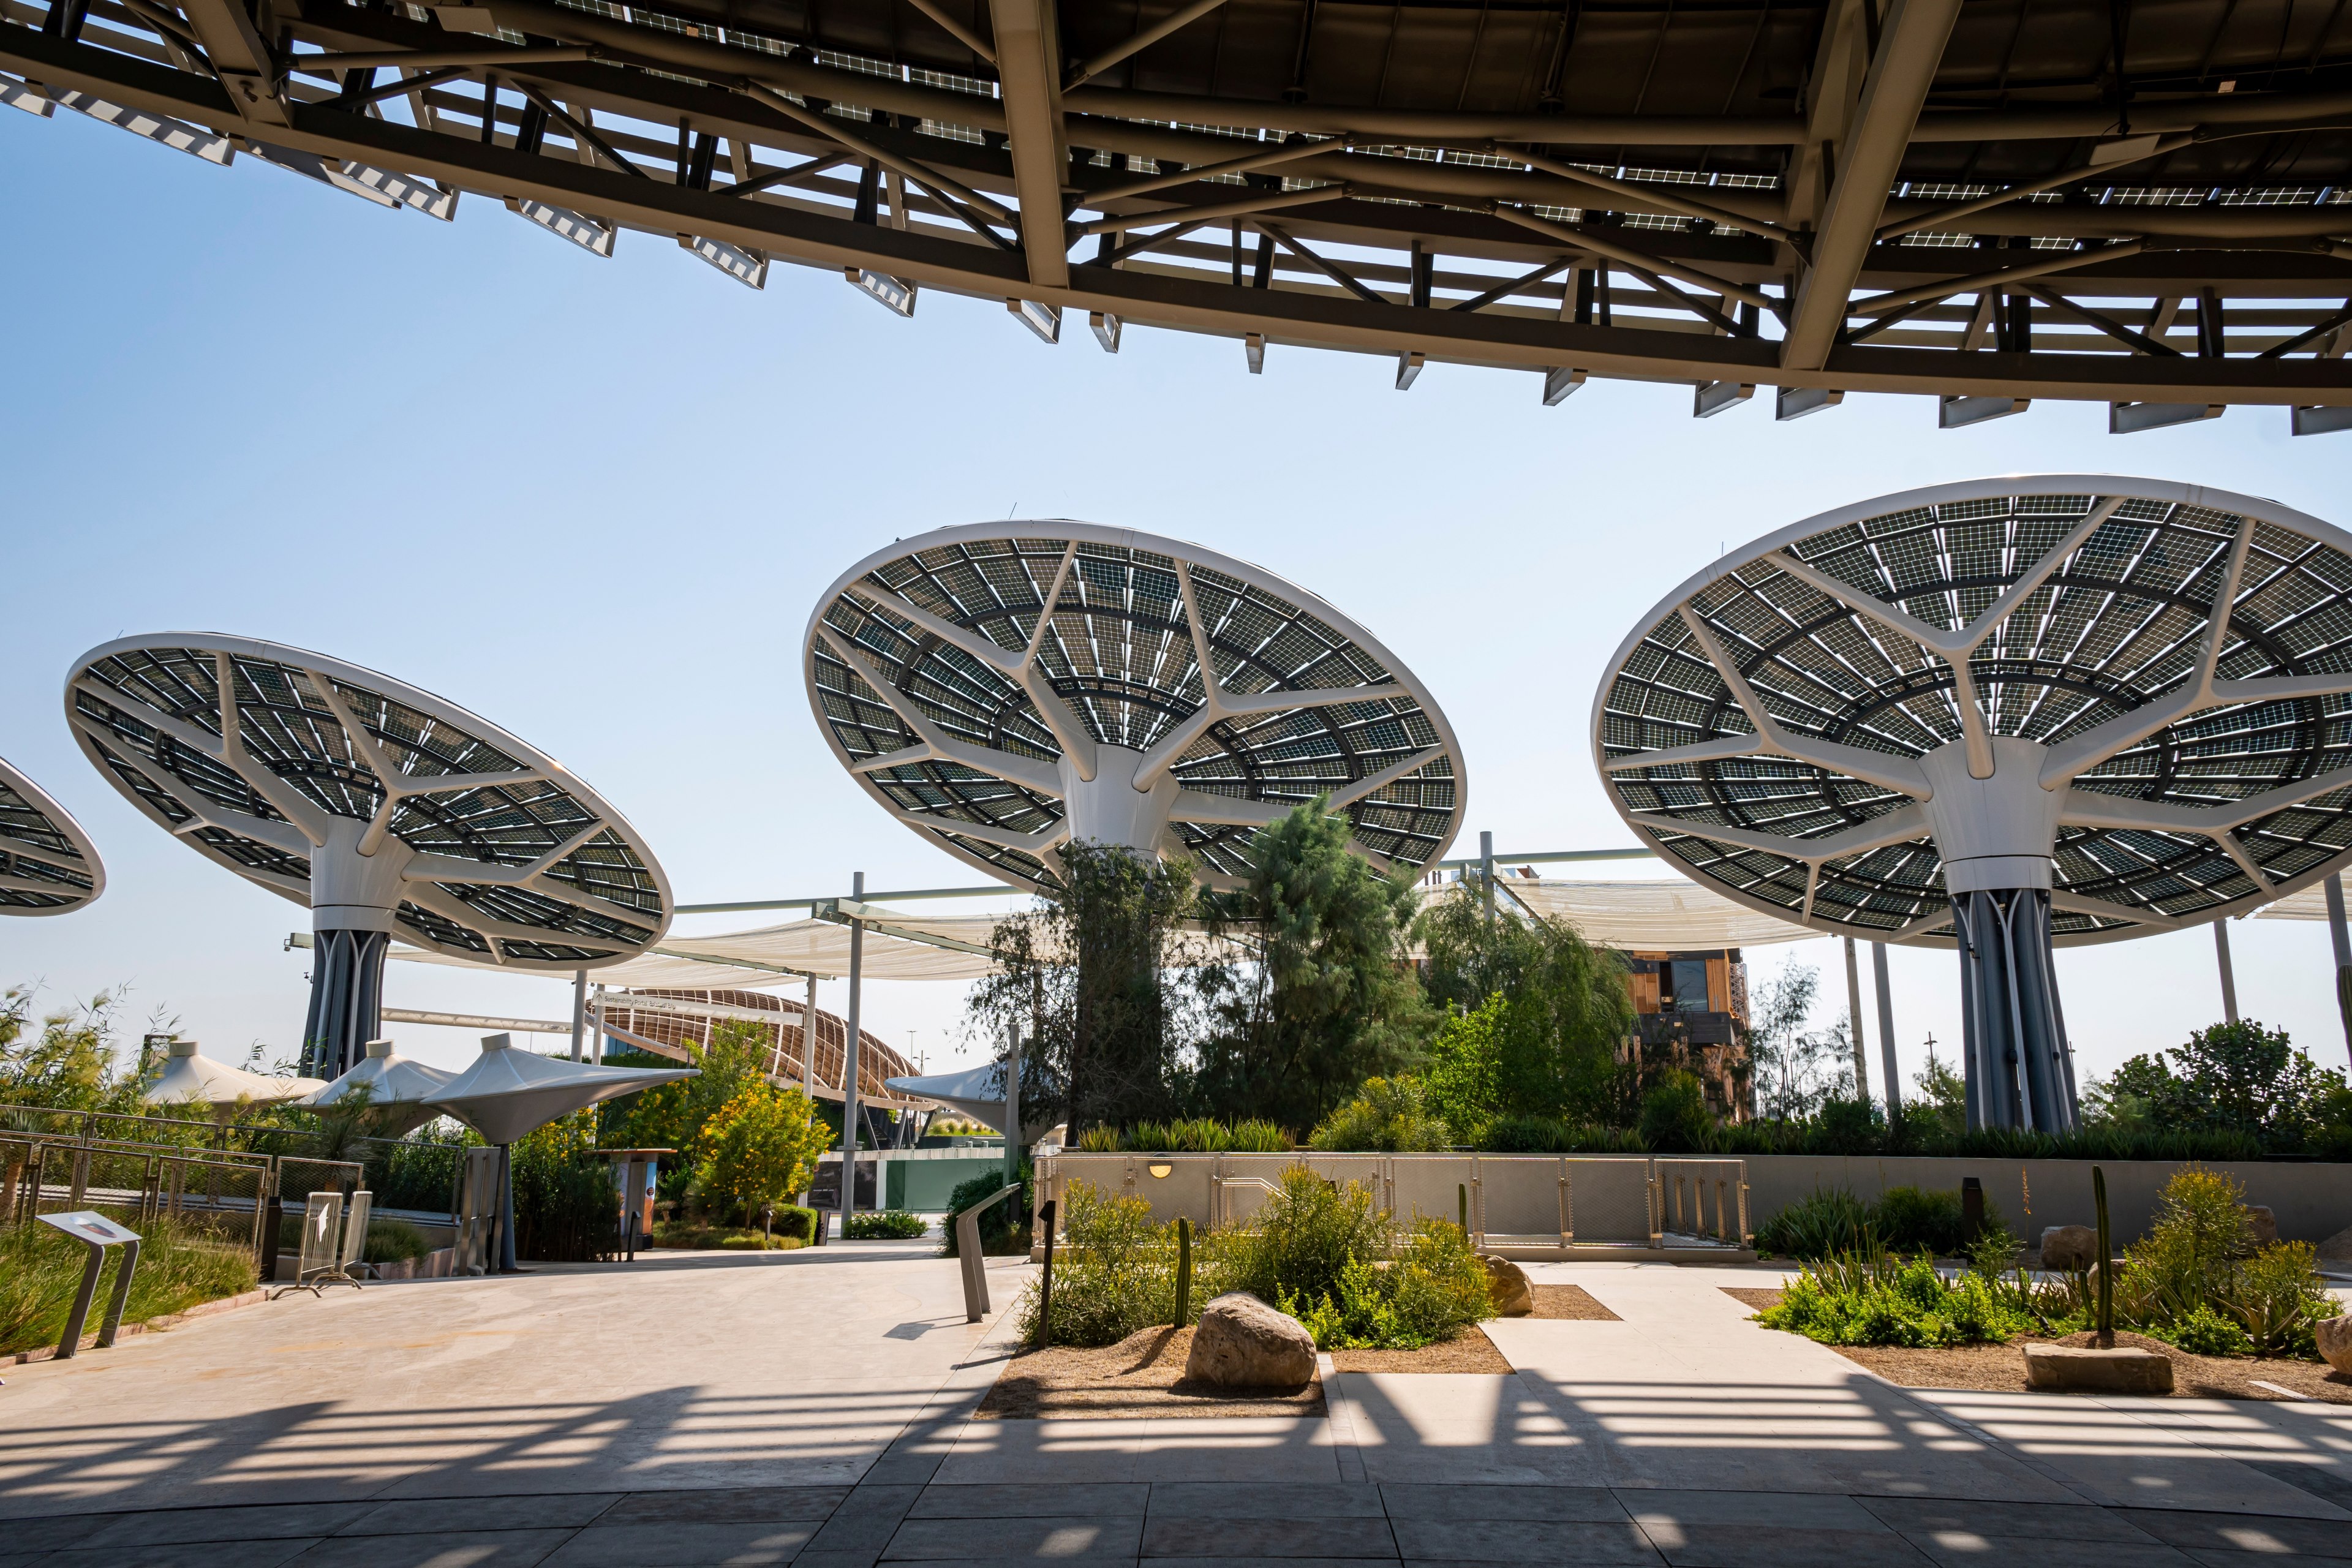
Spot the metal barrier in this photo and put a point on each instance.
(968, 1253)
(1523, 1203)
(218, 1190)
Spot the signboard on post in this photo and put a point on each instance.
(98, 1233)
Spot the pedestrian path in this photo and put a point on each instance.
(816, 1409)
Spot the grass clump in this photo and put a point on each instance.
(885, 1225)
(1392, 1115)
(1878, 1297)
(1831, 1222)
(179, 1268)
(392, 1241)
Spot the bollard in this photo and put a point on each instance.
(1462, 1205)
(2106, 1261)
(1972, 1210)
(1045, 1285)
(1183, 1270)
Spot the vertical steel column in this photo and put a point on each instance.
(1013, 1107)
(1486, 871)
(579, 1010)
(2229, 975)
(849, 1059)
(2342, 941)
(1886, 1033)
(2019, 1074)
(1854, 1020)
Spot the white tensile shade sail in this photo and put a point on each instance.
(1646, 917)
(976, 1092)
(794, 950)
(191, 1077)
(508, 1092)
(388, 1080)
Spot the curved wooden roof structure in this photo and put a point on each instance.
(1993, 202)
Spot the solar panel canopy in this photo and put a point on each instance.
(2130, 692)
(378, 807)
(47, 863)
(1006, 688)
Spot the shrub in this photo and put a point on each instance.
(2279, 1298)
(1302, 1238)
(2203, 1332)
(1390, 1115)
(1675, 1118)
(758, 1148)
(392, 1241)
(1113, 1275)
(1876, 1297)
(564, 1207)
(1432, 1290)
(756, 1241)
(1914, 1219)
(40, 1270)
(888, 1224)
(1831, 1221)
(793, 1221)
(2198, 1267)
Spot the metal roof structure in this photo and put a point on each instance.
(1000, 728)
(1990, 203)
(47, 863)
(2007, 712)
(381, 807)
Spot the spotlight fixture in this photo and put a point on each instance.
(1107, 330)
(1714, 396)
(578, 227)
(1045, 320)
(1796, 402)
(1956, 411)
(177, 134)
(1253, 346)
(1408, 368)
(2127, 418)
(1558, 383)
(749, 268)
(892, 293)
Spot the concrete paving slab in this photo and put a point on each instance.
(161, 1526)
(182, 1555)
(1581, 1542)
(1270, 1499)
(449, 1549)
(2208, 1532)
(676, 1544)
(1442, 1504)
(1781, 1546)
(1660, 1509)
(1962, 1549)
(733, 1505)
(1049, 1537)
(1019, 1499)
(2039, 1521)
(1263, 1538)
(425, 1516)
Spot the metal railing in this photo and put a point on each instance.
(224, 1191)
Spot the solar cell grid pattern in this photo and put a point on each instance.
(153, 716)
(33, 848)
(1119, 651)
(2120, 623)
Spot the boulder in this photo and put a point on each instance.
(1507, 1289)
(2123, 1369)
(2069, 1247)
(1241, 1343)
(2335, 1337)
(2264, 1222)
(2337, 1248)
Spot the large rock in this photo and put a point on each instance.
(2335, 1337)
(2264, 1223)
(1507, 1290)
(2337, 1248)
(2069, 1247)
(1241, 1343)
(2123, 1369)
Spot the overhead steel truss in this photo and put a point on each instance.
(1829, 197)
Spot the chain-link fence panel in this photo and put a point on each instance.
(1610, 1200)
(1703, 1202)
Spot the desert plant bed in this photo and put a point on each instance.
(1569, 1301)
(1470, 1351)
(2001, 1367)
(1142, 1375)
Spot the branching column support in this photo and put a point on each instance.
(1029, 66)
(1867, 158)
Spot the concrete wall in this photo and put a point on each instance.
(2313, 1201)
(1519, 1192)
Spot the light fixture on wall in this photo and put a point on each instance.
(1159, 1168)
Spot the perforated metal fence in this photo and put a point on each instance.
(224, 1192)
(1516, 1201)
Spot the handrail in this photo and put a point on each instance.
(975, 1269)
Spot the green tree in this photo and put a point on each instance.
(1940, 1093)
(1567, 1005)
(1329, 1000)
(757, 1149)
(1463, 1073)
(673, 1115)
(2231, 1078)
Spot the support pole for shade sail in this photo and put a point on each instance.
(1013, 1107)
(596, 1042)
(579, 1012)
(808, 1042)
(1853, 1019)
(2342, 941)
(507, 1260)
(849, 1060)
(2229, 975)
(1886, 1033)
(1486, 871)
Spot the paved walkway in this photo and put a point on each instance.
(814, 1408)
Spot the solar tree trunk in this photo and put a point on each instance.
(346, 1000)
(2018, 1074)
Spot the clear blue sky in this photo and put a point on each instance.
(595, 501)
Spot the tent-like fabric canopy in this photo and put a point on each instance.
(190, 1077)
(509, 1091)
(1666, 916)
(736, 959)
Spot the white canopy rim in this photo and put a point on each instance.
(47, 863)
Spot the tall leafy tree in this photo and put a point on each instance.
(1329, 1000)
(2231, 1078)
(1566, 1004)
(757, 1149)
